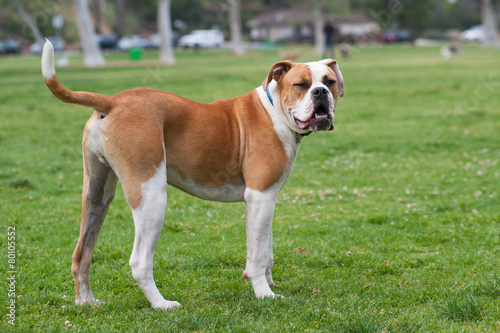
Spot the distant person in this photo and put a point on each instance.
(329, 30)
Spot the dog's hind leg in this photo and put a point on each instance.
(148, 221)
(99, 185)
(144, 178)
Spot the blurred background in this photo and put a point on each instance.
(389, 223)
(96, 26)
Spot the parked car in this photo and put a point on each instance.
(10, 46)
(58, 43)
(202, 38)
(154, 41)
(107, 42)
(128, 42)
(394, 36)
(474, 34)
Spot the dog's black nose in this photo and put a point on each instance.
(319, 92)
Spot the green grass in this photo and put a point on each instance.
(389, 223)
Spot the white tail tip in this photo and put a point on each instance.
(48, 69)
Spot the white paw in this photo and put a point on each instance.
(166, 305)
(270, 295)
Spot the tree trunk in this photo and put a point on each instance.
(98, 11)
(92, 56)
(490, 24)
(165, 31)
(319, 34)
(30, 23)
(235, 26)
(120, 17)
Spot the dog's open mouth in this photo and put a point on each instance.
(320, 121)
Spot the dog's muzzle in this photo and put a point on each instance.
(320, 119)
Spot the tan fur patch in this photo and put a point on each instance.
(226, 142)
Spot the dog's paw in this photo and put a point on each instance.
(269, 295)
(264, 292)
(167, 305)
(269, 278)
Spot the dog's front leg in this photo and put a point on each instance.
(259, 216)
(270, 260)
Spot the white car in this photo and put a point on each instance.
(202, 38)
(474, 34)
(128, 42)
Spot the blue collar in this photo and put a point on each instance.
(269, 95)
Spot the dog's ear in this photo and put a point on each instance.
(335, 67)
(277, 71)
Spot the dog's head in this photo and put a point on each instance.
(306, 93)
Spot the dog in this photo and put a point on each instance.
(233, 150)
(345, 50)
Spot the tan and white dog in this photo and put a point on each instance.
(239, 149)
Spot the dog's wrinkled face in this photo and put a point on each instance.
(306, 93)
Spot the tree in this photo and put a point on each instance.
(31, 24)
(165, 31)
(490, 24)
(120, 17)
(235, 27)
(98, 12)
(406, 14)
(319, 34)
(92, 56)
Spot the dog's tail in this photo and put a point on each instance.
(102, 104)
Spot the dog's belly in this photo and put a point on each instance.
(224, 193)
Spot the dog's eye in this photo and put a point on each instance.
(302, 85)
(330, 83)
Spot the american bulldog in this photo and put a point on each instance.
(239, 149)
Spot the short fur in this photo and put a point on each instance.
(239, 149)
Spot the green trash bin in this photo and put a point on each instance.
(135, 53)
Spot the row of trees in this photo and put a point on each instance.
(410, 14)
(417, 16)
(92, 55)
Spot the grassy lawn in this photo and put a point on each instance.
(389, 223)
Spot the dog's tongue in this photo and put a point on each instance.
(306, 124)
(303, 124)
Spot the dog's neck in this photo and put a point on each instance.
(281, 124)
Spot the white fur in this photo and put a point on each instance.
(260, 208)
(285, 129)
(224, 193)
(285, 118)
(48, 69)
(318, 71)
(259, 213)
(150, 214)
(305, 107)
(148, 222)
(95, 138)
